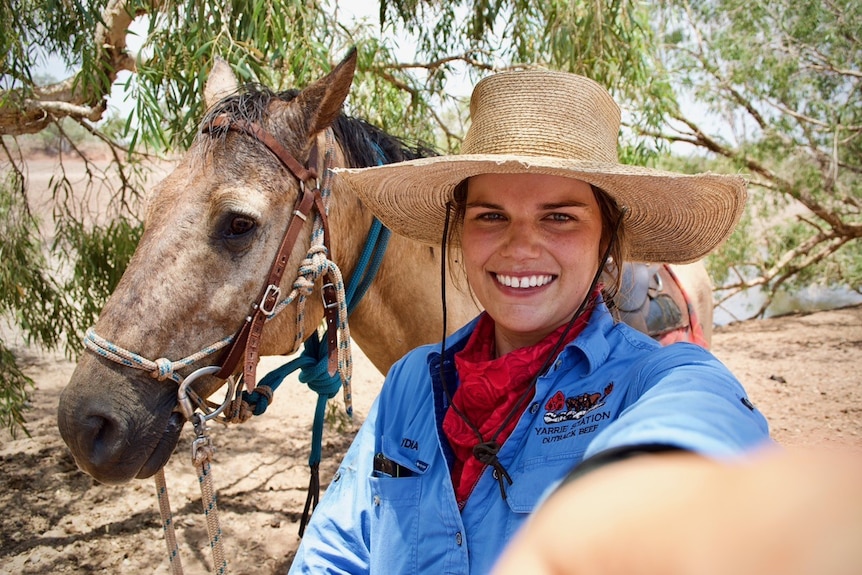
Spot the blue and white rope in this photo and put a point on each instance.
(161, 368)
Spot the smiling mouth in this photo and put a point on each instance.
(524, 282)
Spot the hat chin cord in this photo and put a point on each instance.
(486, 450)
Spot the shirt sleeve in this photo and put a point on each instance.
(683, 397)
(336, 538)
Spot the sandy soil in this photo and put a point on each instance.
(802, 371)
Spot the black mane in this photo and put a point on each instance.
(363, 144)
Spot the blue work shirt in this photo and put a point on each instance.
(611, 387)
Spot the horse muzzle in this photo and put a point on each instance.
(120, 428)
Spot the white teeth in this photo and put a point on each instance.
(524, 282)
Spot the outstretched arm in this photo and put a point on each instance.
(789, 512)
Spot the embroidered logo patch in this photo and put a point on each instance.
(556, 403)
(560, 408)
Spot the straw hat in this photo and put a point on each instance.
(544, 122)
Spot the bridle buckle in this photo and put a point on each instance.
(328, 301)
(271, 295)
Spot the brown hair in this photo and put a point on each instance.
(610, 212)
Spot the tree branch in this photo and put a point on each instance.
(414, 94)
(785, 187)
(466, 57)
(826, 249)
(20, 114)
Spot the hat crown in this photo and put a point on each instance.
(543, 113)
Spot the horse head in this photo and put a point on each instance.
(211, 230)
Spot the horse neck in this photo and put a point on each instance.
(402, 309)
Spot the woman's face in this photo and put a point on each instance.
(531, 248)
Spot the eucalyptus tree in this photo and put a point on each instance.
(775, 93)
(280, 43)
(780, 78)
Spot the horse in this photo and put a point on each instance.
(211, 229)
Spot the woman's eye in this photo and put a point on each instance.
(490, 217)
(239, 225)
(559, 217)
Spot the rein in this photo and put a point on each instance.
(245, 343)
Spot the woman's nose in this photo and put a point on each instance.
(521, 240)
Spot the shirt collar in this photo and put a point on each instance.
(593, 342)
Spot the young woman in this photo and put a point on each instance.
(468, 436)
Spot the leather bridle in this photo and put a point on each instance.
(246, 342)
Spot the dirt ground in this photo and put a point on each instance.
(802, 371)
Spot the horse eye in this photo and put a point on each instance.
(239, 226)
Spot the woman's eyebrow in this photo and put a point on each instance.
(550, 206)
(547, 206)
(488, 205)
(565, 204)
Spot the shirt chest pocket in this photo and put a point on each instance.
(396, 492)
(533, 477)
(394, 522)
(531, 482)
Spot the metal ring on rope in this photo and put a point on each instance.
(185, 400)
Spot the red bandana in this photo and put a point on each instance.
(489, 391)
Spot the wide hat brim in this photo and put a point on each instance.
(671, 218)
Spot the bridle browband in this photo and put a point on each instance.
(246, 342)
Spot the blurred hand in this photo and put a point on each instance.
(796, 512)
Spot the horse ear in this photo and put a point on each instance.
(222, 82)
(323, 99)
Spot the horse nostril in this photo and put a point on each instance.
(102, 436)
(116, 437)
(96, 438)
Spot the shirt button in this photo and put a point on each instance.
(458, 538)
(377, 500)
(336, 477)
(495, 474)
(534, 408)
(558, 363)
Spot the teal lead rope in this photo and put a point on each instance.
(313, 362)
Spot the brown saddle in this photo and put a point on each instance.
(651, 300)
